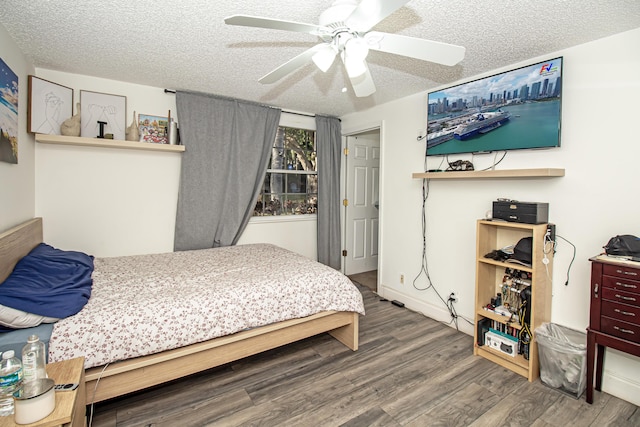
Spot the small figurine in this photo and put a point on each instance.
(71, 126)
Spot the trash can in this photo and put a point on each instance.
(563, 354)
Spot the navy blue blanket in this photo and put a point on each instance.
(49, 282)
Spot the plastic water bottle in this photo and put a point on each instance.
(10, 381)
(33, 359)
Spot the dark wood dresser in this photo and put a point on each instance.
(615, 314)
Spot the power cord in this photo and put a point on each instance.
(93, 397)
(424, 269)
(573, 258)
(493, 166)
(548, 248)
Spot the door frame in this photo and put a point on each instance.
(349, 132)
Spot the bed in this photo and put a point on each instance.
(106, 378)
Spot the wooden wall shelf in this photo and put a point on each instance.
(108, 143)
(492, 174)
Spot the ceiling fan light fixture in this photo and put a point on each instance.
(324, 58)
(345, 29)
(355, 66)
(357, 48)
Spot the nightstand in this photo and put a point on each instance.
(70, 405)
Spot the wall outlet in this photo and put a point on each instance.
(402, 278)
(453, 296)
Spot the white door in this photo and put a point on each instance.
(361, 211)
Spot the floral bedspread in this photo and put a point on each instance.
(146, 304)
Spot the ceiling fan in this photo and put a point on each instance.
(345, 31)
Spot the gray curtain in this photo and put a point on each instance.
(328, 147)
(228, 145)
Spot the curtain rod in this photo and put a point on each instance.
(299, 114)
(284, 111)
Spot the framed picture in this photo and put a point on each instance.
(102, 114)
(153, 129)
(50, 104)
(8, 114)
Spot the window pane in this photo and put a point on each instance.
(297, 183)
(294, 149)
(268, 204)
(275, 183)
(300, 205)
(290, 193)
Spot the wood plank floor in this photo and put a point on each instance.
(368, 279)
(409, 371)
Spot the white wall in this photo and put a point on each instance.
(17, 188)
(111, 202)
(594, 201)
(296, 233)
(106, 201)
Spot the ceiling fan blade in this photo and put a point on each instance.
(276, 24)
(363, 85)
(426, 50)
(291, 65)
(369, 12)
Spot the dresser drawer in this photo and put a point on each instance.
(624, 312)
(621, 283)
(623, 297)
(632, 273)
(620, 329)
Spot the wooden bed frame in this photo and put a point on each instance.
(127, 376)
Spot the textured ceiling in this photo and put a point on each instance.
(186, 45)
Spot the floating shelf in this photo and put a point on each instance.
(492, 174)
(108, 143)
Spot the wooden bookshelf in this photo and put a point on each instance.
(490, 274)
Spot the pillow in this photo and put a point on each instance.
(49, 283)
(12, 318)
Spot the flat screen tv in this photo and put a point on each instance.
(516, 109)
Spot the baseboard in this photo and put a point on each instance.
(621, 387)
(434, 312)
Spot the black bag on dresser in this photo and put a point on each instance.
(624, 245)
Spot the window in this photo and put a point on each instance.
(291, 183)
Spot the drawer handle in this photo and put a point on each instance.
(625, 298)
(626, 331)
(626, 285)
(626, 313)
(628, 273)
(595, 290)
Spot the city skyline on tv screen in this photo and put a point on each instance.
(515, 109)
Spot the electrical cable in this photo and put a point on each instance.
(494, 161)
(546, 252)
(572, 258)
(424, 268)
(93, 397)
(440, 165)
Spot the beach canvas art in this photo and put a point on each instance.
(8, 114)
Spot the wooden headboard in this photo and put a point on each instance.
(18, 242)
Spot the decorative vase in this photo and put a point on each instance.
(133, 134)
